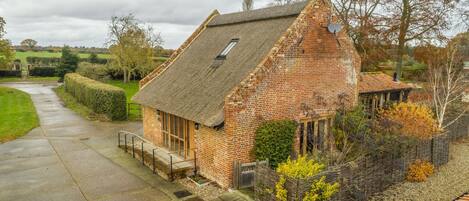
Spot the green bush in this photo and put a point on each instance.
(99, 97)
(10, 73)
(274, 141)
(43, 71)
(93, 71)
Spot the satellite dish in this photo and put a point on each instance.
(334, 28)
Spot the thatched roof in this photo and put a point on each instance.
(195, 85)
(260, 14)
(379, 82)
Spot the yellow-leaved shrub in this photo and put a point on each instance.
(304, 168)
(415, 120)
(419, 171)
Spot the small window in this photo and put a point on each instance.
(227, 49)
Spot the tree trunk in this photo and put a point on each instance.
(403, 28)
(129, 76)
(125, 75)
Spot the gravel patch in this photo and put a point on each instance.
(449, 182)
(208, 192)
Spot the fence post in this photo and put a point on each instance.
(133, 147)
(235, 174)
(143, 156)
(128, 110)
(195, 162)
(153, 160)
(171, 167)
(119, 139)
(125, 141)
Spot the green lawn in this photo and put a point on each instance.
(22, 55)
(17, 114)
(130, 89)
(29, 79)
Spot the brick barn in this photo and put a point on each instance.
(238, 70)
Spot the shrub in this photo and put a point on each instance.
(99, 97)
(93, 71)
(68, 63)
(274, 141)
(303, 168)
(414, 120)
(419, 171)
(43, 61)
(350, 125)
(43, 71)
(10, 73)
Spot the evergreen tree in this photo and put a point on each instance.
(68, 63)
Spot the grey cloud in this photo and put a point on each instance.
(84, 22)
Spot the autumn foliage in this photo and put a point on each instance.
(419, 171)
(413, 120)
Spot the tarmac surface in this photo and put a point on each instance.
(70, 158)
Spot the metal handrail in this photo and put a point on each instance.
(154, 148)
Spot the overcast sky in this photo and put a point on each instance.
(84, 22)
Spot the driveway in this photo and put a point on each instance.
(71, 158)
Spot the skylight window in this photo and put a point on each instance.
(227, 49)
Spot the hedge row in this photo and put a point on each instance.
(99, 97)
(43, 60)
(10, 73)
(43, 71)
(54, 61)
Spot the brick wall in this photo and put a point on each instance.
(306, 71)
(211, 153)
(151, 126)
(309, 71)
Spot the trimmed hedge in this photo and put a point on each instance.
(43, 71)
(274, 141)
(43, 61)
(10, 73)
(99, 97)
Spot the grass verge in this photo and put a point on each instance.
(18, 115)
(130, 89)
(71, 103)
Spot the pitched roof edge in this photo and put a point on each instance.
(247, 86)
(161, 68)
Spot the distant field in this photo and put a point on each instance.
(22, 55)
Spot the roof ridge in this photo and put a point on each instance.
(260, 14)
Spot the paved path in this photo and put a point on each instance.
(69, 158)
(448, 183)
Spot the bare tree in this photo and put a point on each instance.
(409, 20)
(361, 20)
(464, 12)
(2, 27)
(447, 85)
(248, 5)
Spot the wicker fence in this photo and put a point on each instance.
(460, 128)
(361, 178)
